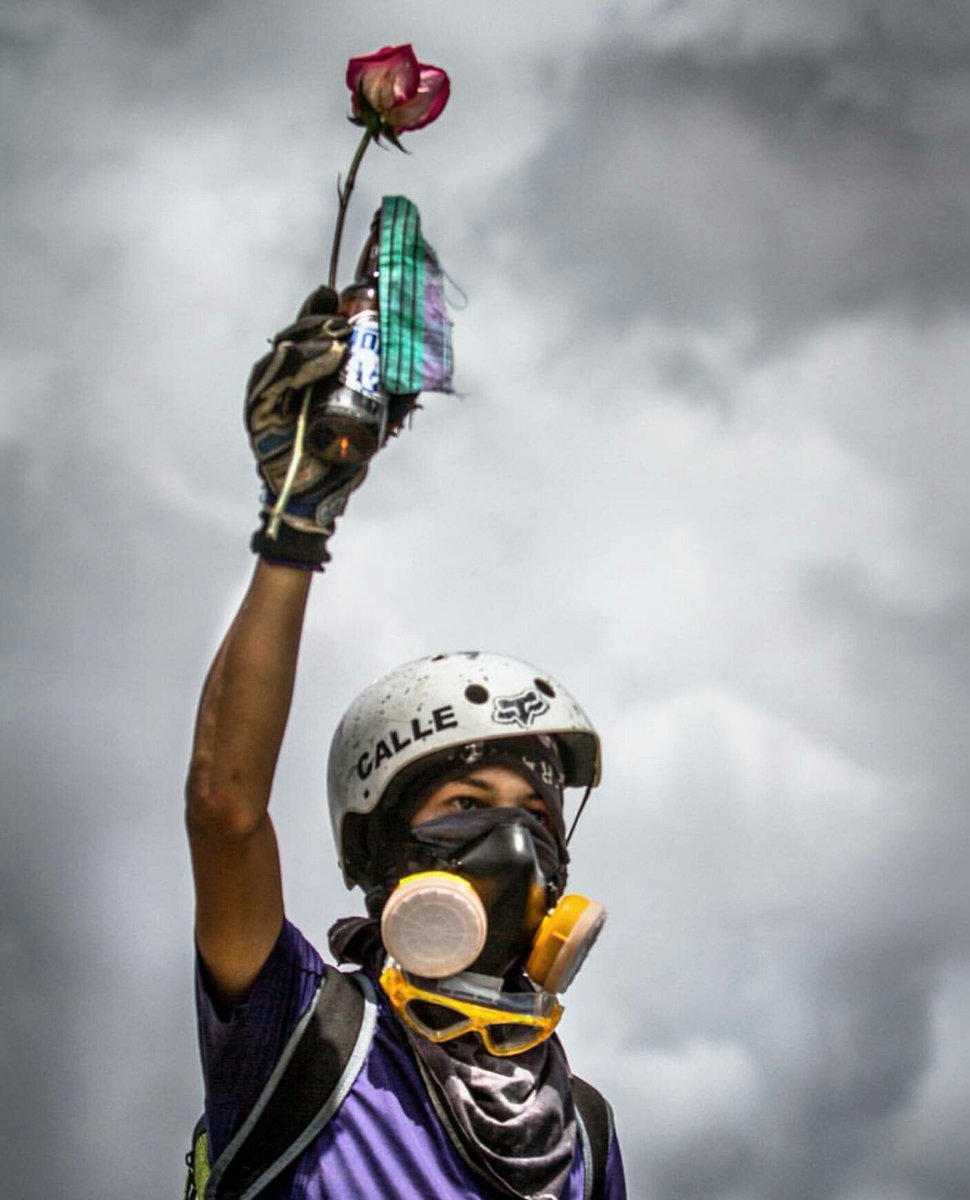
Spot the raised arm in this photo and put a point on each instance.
(242, 717)
(246, 697)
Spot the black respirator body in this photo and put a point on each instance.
(481, 892)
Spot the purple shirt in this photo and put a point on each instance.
(385, 1140)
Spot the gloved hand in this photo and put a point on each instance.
(303, 355)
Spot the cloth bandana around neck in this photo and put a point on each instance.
(415, 329)
(513, 1117)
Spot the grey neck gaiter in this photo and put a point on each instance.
(511, 1118)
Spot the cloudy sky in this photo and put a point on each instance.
(708, 466)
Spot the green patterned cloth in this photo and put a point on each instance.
(415, 329)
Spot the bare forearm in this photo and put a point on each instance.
(246, 702)
(247, 695)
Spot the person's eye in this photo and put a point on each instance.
(463, 802)
(541, 813)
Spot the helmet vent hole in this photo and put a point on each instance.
(546, 688)
(476, 694)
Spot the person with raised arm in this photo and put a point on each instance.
(425, 1063)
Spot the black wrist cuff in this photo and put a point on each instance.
(290, 548)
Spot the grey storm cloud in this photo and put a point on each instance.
(784, 185)
(781, 833)
(95, 676)
(860, 956)
(913, 668)
(152, 22)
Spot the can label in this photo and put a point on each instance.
(361, 371)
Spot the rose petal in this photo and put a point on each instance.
(379, 59)
(433, 90)
(384, 79)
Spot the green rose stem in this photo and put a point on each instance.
(276, 512)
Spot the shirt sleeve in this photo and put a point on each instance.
(240, 1048)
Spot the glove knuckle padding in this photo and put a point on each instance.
(314, 361)
(290, 366)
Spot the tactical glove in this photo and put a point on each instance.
(285, 381)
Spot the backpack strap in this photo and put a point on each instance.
(596, 1134)
(316, 1071)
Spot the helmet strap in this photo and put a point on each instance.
(579, 813)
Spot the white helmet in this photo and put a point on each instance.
(435, 704)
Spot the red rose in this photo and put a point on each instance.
(393, 93)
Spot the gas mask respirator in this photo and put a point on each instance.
(478, 903)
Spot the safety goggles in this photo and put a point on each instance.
(507, 1022)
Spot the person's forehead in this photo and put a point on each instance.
(488, 778)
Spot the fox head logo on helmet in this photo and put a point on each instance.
(521, 709)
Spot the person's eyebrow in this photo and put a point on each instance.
(483, 785)
(470, 781)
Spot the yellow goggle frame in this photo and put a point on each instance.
(504, 1032)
